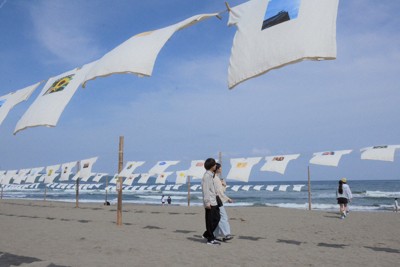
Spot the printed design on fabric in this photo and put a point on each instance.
(328, 153)
(86, 165)
(279, 11)
(278, 158)
(199, 164)
(60, 84)
(2, 101)
(375, 147)
(162, 163)
(241, 165)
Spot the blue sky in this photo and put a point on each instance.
(185, 110)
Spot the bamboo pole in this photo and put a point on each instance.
(45, 191)
(309, 189)
(120, 164)
(77, 193)
(106, 202)
(188, 186)
(1, 191)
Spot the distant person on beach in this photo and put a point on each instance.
(344, 196)
(169, 200)
(223, 231)
(163, 200)
(210, 202)
(396, 205)
(347, 187)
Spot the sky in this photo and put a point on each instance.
(185, 110)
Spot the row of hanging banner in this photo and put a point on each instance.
(240, 168)
(147, 188)
(260, 45)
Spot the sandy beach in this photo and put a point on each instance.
(38, 233)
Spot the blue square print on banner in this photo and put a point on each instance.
(279, 11)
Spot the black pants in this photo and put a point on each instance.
(212, 219)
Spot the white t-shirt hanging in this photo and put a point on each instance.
(278, 163)
(275, 33)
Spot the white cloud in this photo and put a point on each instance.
(3, 3)
(63, 29)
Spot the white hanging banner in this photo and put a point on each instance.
(161, 178)
(35, 172)
(52, 100)
(138, 54)
(7, 102)
(85, 168)
(272, 34)
(66, 169)
(51, 173)
(98, 177)
(161, 166)
(329, 158)
(144, 177)
(278, 163)
(196, 169)
(8, 176)
(241, 168)
(131, 178)
(130, 167)
(181, 177)
(384, 152)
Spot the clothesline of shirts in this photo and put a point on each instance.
(154, 187)
(240, 168)
(259, 45)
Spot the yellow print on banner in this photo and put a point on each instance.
(241, 165)
(60, 84)
(50, 172)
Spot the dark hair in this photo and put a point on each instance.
(209, 163)
(218, 166)
(340, 190)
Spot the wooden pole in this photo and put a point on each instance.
(309, 189)
(120, 164)
(1, 191)
(188, 186)
(45, 191)
(105, 202)
(77, 193)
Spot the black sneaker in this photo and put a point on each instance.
(213, 242)
(227, 238)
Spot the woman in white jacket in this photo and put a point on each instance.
(344, 196)
(223, 231)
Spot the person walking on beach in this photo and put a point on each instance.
(223, 230)
(210, 202)
(396, 205)
(163, 200)
(347, 188)
(343, 195)
(169, 200)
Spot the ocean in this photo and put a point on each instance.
(377, 195)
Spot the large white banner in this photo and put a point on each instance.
(138, 54)
(52, 100)
(274, 33)
(278, 163)
(329, 158)
(383, 152)
(241, 168)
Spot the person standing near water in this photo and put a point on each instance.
(343, 196)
